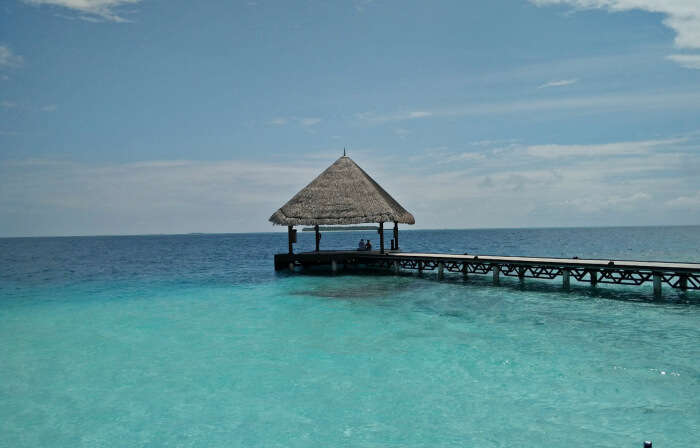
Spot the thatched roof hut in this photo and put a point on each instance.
(342, 194)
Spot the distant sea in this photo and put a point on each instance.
(194, 341)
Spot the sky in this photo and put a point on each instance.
(170, 116)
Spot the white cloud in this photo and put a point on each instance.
(419, 114)
(309, 121)
(685, 202)
(49, 108)
(624, 101)
(91, 10)
(302, 121)
(686, 60)
(606, 149)
(171, 196)
(682, 16)
(560, 83)
(7, 104)
(597, 204)
(8, 59)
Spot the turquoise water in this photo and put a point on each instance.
(194, 341)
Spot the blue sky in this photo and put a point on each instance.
(154, 116)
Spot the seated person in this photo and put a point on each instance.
(361, 245)
(368, 246)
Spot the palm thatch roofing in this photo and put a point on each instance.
(342, 194)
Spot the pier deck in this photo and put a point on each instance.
(684, 276)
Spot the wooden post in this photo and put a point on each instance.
(291, 266)
(441, 270)
(465, 271)
(318, 238)
(657, 284)
(593, 273)
(334, 266)
(397, 267)
(521, 274)
(290, 232)
(420, 267)
(683, 282)
(496, 273)
(396, 235)
(381, 237)
(566, 278)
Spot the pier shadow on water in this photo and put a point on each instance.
(364, 285)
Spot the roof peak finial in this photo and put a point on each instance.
(344, 152)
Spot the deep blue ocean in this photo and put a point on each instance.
(194, 340)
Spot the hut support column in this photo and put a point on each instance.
(290, 233)
(381, 237)
(318, 237)
(396, 235)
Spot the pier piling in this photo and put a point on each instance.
(657, 284)
(441, 270)
(496, 273)
(566, 278)
(593, 274)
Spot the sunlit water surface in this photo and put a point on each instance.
(193, 340)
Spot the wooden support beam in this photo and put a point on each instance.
(657, 284)
(397, 266)
(441, 270)
(683, 282)
(465, 271)
(496, 273)
(396, 235)
(566, 278)
(318, 238)
(593, 273)
(521, 274)
(334, 266)
(381, 237)
(290, 237)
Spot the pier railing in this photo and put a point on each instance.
(683, 276)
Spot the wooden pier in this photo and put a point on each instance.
(344, 194)
(683, 276)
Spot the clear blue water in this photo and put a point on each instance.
(193, 340)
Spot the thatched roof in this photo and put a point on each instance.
(343, 194)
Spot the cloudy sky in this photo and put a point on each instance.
(170, 116)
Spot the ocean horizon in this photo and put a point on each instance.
(403, 228)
